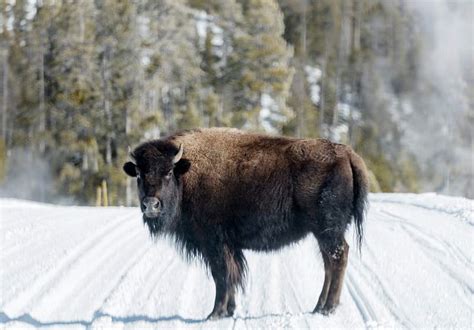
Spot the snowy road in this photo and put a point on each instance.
(79, 267)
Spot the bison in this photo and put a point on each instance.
(220, 191)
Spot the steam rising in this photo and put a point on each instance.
(30, 177)
(440, 128)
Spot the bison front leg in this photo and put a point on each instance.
(227, 267)
(220, 274)
(222, 297)
(335, 255)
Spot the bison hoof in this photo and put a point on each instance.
(326, 310)
(318, 309)
(215, 315)
(230, 309)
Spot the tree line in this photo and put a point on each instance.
(82, 81)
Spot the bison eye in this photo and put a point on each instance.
(169, 174)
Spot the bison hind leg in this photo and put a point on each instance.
(335, 251)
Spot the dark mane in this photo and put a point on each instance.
(151, 152)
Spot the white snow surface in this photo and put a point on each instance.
(83, 267)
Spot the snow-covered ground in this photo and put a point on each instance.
(82, 267)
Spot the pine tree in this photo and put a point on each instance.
(259, 69)
(5, 81)
(173, 61)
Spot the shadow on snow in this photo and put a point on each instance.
(27, 318)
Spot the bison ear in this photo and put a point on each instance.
(130, 168)
(181, 167)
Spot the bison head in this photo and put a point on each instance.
(157, 168)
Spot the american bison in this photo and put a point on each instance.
(220, 191)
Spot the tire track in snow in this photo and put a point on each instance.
(455, 212)
(158, 298)
(173, 264)
(429, 243)
(78, 285)
(460, 255)
(41, 285)
(294, 294)
(153, 277)
(130, 266)
(268, 300)
(272, 308)
(22, 218)
(185, 297)
(442, 265)
(243, 297)
(432, 240)
(136, 285)
(273, 293)
(363, 305)
(14, 230)
(196, 300)
(369, 276)
(450, 248)
(249, 305)
(366, 272)
(437, 250)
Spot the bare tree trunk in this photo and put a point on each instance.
(303, 35)
(105, 194)
(322, 98)
(5, 94)
(300, 85)
(98, 198)
(106, 104)
(128, 182)
(5, 53)
(224, 91)
(355, 48)
(299, 92)
(81, 24)
(128, 192)
(356, 17)
(220, 109)
(42, 112)
(340, 58)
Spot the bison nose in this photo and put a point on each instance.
(151, 204)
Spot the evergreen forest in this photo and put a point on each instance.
(83, 81)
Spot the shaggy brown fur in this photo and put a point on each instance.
(233, 190)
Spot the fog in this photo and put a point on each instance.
(440, 128)
(28, 177)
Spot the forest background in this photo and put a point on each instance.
(82, 81)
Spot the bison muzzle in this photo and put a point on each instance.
(220, 191)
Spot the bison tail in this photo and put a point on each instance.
(360, 190)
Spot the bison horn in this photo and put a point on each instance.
(178, 155)
(130, 153)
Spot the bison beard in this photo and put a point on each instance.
(220, 191)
